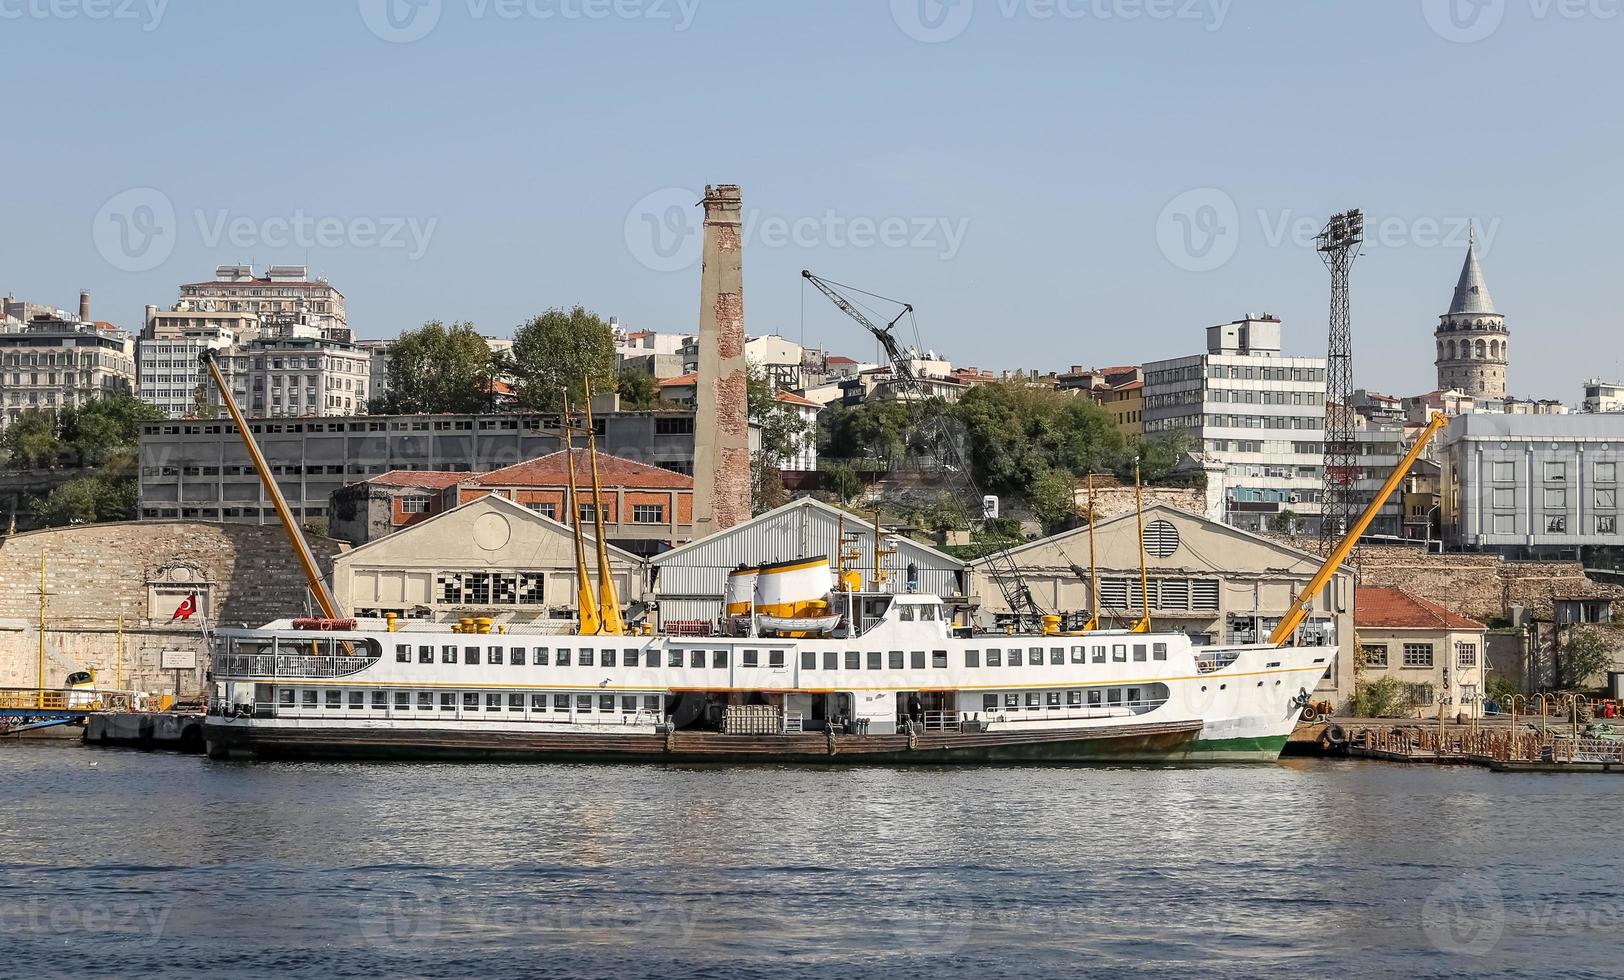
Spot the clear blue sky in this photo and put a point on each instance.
(1032, 161)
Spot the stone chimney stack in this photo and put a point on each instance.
(84, 306)
(721, 423)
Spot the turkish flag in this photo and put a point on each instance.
(186, 610)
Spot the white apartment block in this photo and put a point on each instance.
(1260, 414)
(1603, 397)
(170, 370)
(61, 362)
(298, 377)
(284, 295)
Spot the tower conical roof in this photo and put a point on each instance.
(1472, 292)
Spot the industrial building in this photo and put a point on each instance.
(199, 470)
(1215, 582)
(688, 582)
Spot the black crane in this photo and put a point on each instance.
(911, 388)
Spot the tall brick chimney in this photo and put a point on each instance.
(722, 424)
(84, 306)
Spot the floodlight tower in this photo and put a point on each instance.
(1339, 246)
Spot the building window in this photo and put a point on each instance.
(1556, 499)
(1505, 472)
(1606, 498)
(548, 510)
(1505, 524)
(648, 513)
(1556, 524)
(1466, 654)
(1606, 524)
(1374, 654)
(587, 513)
(1556, 472)
(1504, 498)
(1418, 655)
(1606, 472)
(414, 505)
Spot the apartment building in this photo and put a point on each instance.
(199, 469)
(170, 372)
(1249, 407)
(55, 360)
(286, 293)
(297, 375)
(1603, 396)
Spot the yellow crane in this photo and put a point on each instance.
(1300, 607)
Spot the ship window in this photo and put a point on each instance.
(285, 697)
(403, 700)
(989, 702)
(972, 658)
(1034, 656)
(403, 653)
(561, 702)
(1079, 655)
(628, 704)
(470, 655)
(916, 660)
(538, 656)
(1138, 653)
(752, 658)
(854, 660)
(938, 659)
(1012, 702)
(1119, 652)
(874, 660)
(1074, 699)
(470, 701)
(515, 702)
(516, 657)
(719, 660)
(493, 702)
(1158, 651)
(1093, 699)
(831, 660)
(606, 703)
(1053, 699)
(563, 659)
(538, 702)
(583, 704)
(1133, 695)
(425, 701)
(651, 703)
(588, 658)
(906, 614)
(493, 655)
(895, 659)
(629, 658)
(809, 660)
(448, 702)
(673, 658)
(927, 614)
(1057, 656)
(1099, 655)
(334, 699)
(357, 700)
(448, 655)
(696, 660)
(425, 655)
(1034, 700)
(775, 658)
(995, 658)
(1116, 696)
(651, 658)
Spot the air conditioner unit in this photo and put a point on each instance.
(1295, 498)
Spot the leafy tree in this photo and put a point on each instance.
(1158, 456)
(1053, 498)
(554, 351)
(437, 368)
(839, 480)
(639, 391)
(31, 440)
(1017, 433)
(1286, 522)
(784, 431)
(1584, 654)
(873, 430)
(1386, 698)
(87, 500)
(105, 430)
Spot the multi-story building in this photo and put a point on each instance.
(58, 361)
(285, 293)
(199, 469)
(1126, 403)
(297, 375)
(1532, 486)
(184, 321)
(170, 371)
(1259, 413)
(1603, 396)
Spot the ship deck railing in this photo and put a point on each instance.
(244, 665)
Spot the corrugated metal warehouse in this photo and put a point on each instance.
(688, 582)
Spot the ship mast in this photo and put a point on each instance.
(608, 601)
(586, 605)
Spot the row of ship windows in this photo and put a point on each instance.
(580, 704)
(831, 659)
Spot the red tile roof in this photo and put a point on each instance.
(680, 381)
(1379, 608)
(550, 471)
(790, 398)
(418, 479)
(1130, 386)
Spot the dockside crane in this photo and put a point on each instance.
(910, 387)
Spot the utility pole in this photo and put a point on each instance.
(1338, 247)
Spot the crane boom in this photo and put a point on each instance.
(301, 548)
(1299, 608)
(1005, 572)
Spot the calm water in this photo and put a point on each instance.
(117, 862)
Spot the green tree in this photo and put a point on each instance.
(1386, 698)
(784, 434)
(1158, 456)
(1584, 654)
(87, 500)
(554, 351)
(876, 430)
(31, 440)
(839, 481)
(105, 430)
(1053, 498)
(639, 391)
(1017, 433)
(437, 368)
(1286, 522)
